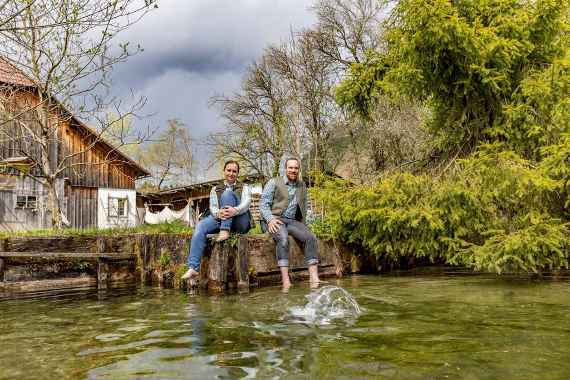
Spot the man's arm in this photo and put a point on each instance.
(266, 201)
(245, 200)
(214, 206)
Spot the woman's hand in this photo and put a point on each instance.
(227, 212)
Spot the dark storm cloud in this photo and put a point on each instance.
(195, 49)
(209, 35)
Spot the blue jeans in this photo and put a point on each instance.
(210, 225)
(300, 232)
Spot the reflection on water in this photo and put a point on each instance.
(415, 327)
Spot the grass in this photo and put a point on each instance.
(177, 228)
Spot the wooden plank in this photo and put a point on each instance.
(218, 267)
(68, 255)
(242, 264)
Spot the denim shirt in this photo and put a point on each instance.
(266, 200)
(244, 203)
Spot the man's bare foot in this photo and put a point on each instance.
(314, 276)
(286, 286)
(223, 235)
(285, 280)
(190, 273)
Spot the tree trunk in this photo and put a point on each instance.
(53, 204)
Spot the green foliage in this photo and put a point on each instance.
(494, 211)
(322, 229)
(178, 273)
(491, 70)
(556, 165)
(164, 260)
(175, 227)
(255, 230)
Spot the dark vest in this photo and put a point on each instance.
(221, 187)
(238, 187)
(281, 199)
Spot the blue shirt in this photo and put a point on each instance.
(266, 200)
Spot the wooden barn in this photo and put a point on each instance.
(96, 188)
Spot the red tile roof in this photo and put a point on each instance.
(11, 75)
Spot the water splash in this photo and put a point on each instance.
(325, 305)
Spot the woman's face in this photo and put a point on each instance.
(230, 172)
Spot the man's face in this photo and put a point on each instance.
(292, 170)
(230, 172)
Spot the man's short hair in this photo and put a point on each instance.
(231, 162)
(292, 159)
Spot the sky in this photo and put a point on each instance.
(196, 49)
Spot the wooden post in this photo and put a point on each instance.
(218, 267)
(242, 264)
(103, 275)
(101, 244)
(2, 264)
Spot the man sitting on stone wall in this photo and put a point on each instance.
(229, 211)
(283, 206)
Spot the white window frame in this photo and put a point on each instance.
(29, 203)
(114, 211)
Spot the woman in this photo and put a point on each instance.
(229, 211)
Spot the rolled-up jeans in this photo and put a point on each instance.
(300, 232)
(210, 225)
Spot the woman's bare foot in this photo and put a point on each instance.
(190, 273)
(223, 235)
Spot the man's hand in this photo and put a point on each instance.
(274, 225)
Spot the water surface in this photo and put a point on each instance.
(411, 327)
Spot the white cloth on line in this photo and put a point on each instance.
(168, 215)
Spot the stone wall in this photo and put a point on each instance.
(243, 261)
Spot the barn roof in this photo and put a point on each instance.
(11, 75)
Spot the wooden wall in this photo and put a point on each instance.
(14, 219)
(100, 167)
(87, 164)
(81, 206)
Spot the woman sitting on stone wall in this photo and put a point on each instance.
(229, 211)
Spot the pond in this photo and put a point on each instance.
(409, 327)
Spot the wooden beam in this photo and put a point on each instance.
(68, 255)
(242, 265)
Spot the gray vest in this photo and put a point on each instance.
(281, 199)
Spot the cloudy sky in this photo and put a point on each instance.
(194, 49)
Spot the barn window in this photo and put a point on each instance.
(118, 207)
(26, 201)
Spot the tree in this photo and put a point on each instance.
(309, 75)
(347, 29)
(258, 124)
(170, 158)
(492, 71)
(66, 48)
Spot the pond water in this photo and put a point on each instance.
(403, 327)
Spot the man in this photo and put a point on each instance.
(283, 206)
(229, 211)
